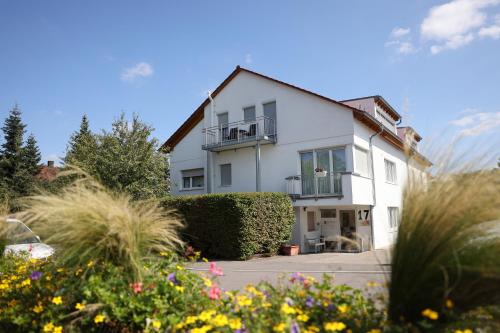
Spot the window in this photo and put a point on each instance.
(311, 221)
(192, 179)
(361, 160)
(222, 119)
(270, 118)
(249, 114)
(328, 213)
(330, 160)
(390, 172)
(225, 175)
(393, 215)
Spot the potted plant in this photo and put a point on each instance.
(290, 249)
(319, 172)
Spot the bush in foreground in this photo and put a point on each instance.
(235, 225)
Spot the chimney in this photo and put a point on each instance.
(50, 164)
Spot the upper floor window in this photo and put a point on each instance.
(225, 175)
(192, 179)
(249, 114)
(390, 172)
(361, 162)
(331, 161)
(393, 217)
(222, 119)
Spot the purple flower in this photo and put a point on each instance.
(295, 328)
(309, 302)
(35, 275)
(171, 277)
(296, 277)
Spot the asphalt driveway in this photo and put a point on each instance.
(353, 269)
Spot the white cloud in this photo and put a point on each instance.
(248, 58)
(492, 31)
(477, 123)
(142, 69)
(406, 48)
(455, 24)
(399, 32)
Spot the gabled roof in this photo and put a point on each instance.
(198, 114)
(382, 102)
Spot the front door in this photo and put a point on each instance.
(348, 229)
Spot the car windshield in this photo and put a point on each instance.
(20, 234)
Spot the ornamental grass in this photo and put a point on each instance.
(86, 222)
(447, 254)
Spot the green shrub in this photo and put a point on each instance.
(235, 225)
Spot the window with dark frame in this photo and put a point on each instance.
(192, 179)
(225, 174)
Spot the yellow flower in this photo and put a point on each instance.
(220, 320)
(207, 282)
(334, 326)
(190, 320)
(60, 270)
(303, 317)
(235, 324)
(57, 329)
(99, 319)
(156, 323)
(432, 315)
(26, 282)
(464, 331)
(287, 309)
(279, 328)
(4, 286)
(343, 308)
(449, 304)
(313, 329)
(375, 330)
(38, 308)
(79, 306)
(205, 259)
(179, 289)
(48, 327)
(90, 264)
(372, 284)
(203, 329)
(180, 268)
(266, 305)
(57, 300)
(243, 300)
(206, 315)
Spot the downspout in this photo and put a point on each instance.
(209, 153)
(374, 198)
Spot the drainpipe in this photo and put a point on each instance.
(374, 198)
(209, 153)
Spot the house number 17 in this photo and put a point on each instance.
(360, 214)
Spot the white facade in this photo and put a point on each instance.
(319, 129)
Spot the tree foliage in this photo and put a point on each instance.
(123, 159)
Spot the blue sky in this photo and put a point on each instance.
(436, 62)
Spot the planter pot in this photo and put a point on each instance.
(290, 250)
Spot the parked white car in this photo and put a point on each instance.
(22, 239)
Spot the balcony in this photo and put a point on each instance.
(240, 134)
(313, 186)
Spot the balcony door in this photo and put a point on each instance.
(330, 160)
(222, 122)
(307, 173)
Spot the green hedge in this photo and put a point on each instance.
(235, 225)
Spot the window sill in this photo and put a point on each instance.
(224, 185)
(360, 175)
(391, 183)
(192, 189)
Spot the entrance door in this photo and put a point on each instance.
(348, 228)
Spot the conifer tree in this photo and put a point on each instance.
(82, 147)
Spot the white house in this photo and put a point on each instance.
(343, 163)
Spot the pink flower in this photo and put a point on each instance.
(214, 292)
(215, 270)
(136, 287)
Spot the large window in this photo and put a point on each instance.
(393, 216)
(192, 179)
(390, 172)
(361, 162)
(331, 161)
(225, 175)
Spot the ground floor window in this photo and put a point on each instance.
(393, 215)
(192, 179)
(311, 222)
(225, 174)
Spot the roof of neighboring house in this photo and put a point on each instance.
(382, 102)
(405, 129)
(48, 173)
(360, 115)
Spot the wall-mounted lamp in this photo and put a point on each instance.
(305, 208)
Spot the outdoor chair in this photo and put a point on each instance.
(315, 243)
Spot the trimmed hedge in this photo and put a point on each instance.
(235, 225)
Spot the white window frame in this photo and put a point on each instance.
(230, 174)
(393, 218)
(390, 166)
(191, 187)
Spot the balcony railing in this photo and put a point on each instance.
(301, 186)
(244, 133)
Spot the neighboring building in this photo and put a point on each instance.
(343, 163)
(48, 172)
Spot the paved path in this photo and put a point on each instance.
(354, 269)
